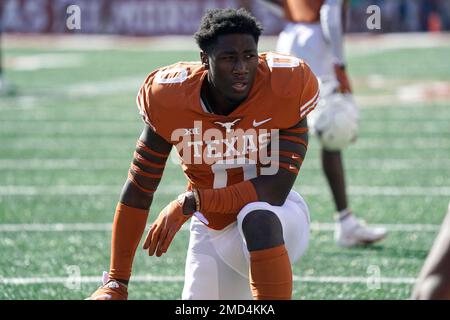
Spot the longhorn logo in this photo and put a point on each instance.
(227, 125)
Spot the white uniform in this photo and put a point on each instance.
(318, 43)
(217, 264)
(306, 41)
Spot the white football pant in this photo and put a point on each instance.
(217, 263)
(306, 41)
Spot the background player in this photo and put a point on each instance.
(315, 34)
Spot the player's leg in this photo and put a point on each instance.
(349, 231)
(270, 267)
(434, 278)
(230, 245)
(201, 279)
(335, 123)
(307, 42)
(334, 172)
(275, 237)
(207, 275)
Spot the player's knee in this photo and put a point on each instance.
(262, 230)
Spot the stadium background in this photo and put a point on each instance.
(67, 135)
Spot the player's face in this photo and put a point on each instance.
(232, 67)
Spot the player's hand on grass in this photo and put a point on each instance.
(164, 228)
(110, 290)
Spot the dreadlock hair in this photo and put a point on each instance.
(217, 22)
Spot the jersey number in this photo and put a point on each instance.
(220, 170)
(173, 75)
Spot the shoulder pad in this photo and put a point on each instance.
(286, 74)
(176, 73)
(171, 84)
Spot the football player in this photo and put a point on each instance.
(238, 123)
(434, 279)
(315, 34)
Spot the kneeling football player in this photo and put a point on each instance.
(226, 116)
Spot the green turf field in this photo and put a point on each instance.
(66, 141)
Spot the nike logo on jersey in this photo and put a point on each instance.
(257, 124)
(295, 157)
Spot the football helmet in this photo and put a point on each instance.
(335, 121)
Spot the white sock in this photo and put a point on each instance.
(347, 220)
(344, 215)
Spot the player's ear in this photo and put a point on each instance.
(204, 59)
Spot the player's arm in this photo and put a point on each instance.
(141, 185)
(293, 144)
(146, 169)
(131, 213)
(144, 175)
(331, 19)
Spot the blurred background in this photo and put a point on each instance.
(69, 123)
(161, 17)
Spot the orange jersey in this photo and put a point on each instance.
(303, 10)
(217, 150)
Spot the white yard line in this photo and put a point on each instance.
(350, 280)
(357, 44)
(90, 227)
(45, 61)
(102, 88)
(76, 190)
(52, 164)
(62, 190)
(55, 227)
(405, 144)
(179, 278)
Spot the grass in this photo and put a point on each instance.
(71, 127)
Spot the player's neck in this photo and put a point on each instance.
(216, 103)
